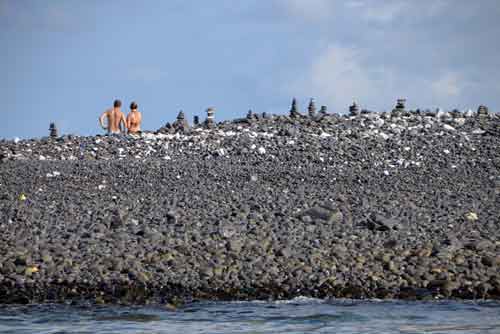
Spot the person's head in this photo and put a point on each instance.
(133, 106)
(117, 104)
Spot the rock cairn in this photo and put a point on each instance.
(209, 122)
(311, 109)
(353, 109)
(400, 105)
(294, 112)
(196, 120)
(323, 110)
(250, 115)
(482, 110)
(181, 122)
(53, 130)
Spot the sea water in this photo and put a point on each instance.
(300, 315)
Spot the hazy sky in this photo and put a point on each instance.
(66, 61)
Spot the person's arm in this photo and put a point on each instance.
(124, 121)
(128, 121)
(139, 120)
(101, 120)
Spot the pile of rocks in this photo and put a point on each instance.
(404, 204)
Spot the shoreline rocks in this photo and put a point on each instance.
(390, 205)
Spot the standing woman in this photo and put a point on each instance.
(134, 119)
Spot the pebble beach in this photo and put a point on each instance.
(402, 204)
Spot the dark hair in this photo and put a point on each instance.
(133, 106)
(117, 104)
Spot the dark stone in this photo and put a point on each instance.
(294, 112)
(311, 109)
(482, 110)
(382, 223)
(353, 109)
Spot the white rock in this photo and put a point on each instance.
(53, 174)
(448, 127)
(446, 151)
(396, 131)
(101, 187)
(383, 135)
(379, 122)
(460, 121)
(17, 140)
(478, 131)
(261, 150)
(42, 158)
(386, 172)
(442, 114)
(253, 147)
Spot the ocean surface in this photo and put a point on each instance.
(300, 315)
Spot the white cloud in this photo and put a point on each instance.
(338, 76)
(448, 85)
(341, 74)
(393, 10)
(452, 86)
(382, 12)
(309, 9)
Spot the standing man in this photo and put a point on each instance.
(134, 119)
(115, 119)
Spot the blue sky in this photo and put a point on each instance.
(66, 61)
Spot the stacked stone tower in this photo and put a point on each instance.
(293, 110)
(250, 115)
(482, 110)
(210, 121)
(400, 105)
(181, 122)
(353, 109)
(311, 109)
(196, 120)
(53, 130)
(323, 110)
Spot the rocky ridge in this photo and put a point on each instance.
(404, 204)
